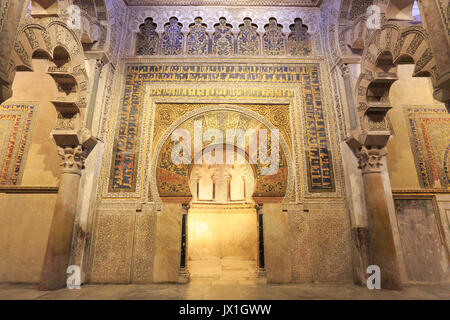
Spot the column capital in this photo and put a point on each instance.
(99, 64)
(72, 159)
(97, 55)
(345, 69)
(370, 159)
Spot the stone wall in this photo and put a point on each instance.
(417, 163)
(320, 243)
(24, 226)
(29, 163)
(131, 237)
(123, 245)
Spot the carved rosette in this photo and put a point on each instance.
(72, 159)
(370, 159)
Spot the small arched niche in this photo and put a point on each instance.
(232, 181)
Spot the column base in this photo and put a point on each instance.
(184, 276)
(261, 273)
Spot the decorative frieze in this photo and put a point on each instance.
(224, 33)
(17, 121)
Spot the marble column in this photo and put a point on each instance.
(382, 251)
(57, 254)
(435, 21)
(349, 93)
(97, 72)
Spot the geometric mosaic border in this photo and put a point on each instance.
(429, 135)
(256, 115)
(16, 125)
(126, 143)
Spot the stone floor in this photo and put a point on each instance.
(224, 290)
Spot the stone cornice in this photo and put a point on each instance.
(29, 189)
(225, 3)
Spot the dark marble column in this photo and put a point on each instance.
(184, 275)
(261, 272)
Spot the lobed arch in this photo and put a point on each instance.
(221, 37)
(353, 16)
(46, 37)
(386, 48)
(289, 195)
(53, 40)
(225, 146)
(237, 150)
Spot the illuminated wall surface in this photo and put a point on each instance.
(140, 72)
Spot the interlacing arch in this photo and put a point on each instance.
(51, 38)
(164, 146)
(385, 49)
